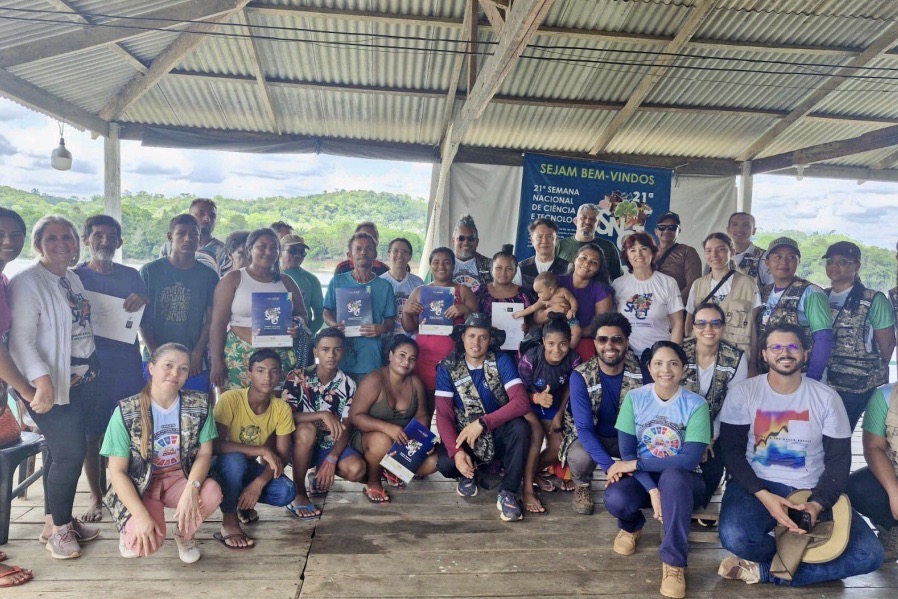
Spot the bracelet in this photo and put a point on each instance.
(330, 459)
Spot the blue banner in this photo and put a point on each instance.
(630, 198)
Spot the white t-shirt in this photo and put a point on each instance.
(785, 437)
(706, 377)
(401, 290)
(719, 295)
(166, 436)
(647, 305)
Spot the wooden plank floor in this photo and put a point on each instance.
(427, 542)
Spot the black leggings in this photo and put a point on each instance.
(63, 428)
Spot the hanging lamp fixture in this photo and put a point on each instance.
(61, 158)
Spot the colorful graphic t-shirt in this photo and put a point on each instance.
(304, 392)
(247, 427)
(466, 273)
(662, 427)
(83, 347)
(401, 290)
(785, 437)
(647, 305)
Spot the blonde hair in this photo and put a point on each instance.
(37, 234)
(146, 400)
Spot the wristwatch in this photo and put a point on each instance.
(196, 485)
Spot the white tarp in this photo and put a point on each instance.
(492, 195)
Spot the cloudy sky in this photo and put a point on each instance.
(27, 138)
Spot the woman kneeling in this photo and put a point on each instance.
(663, 430)
(159, 445)
(384, 404)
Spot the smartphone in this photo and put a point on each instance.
(801, 518)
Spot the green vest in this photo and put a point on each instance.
(851, 368)
(892, 427)
(728, 357)
(194, 410)
(591, 376)
(472, 405)
(737, 306)
(786, 311)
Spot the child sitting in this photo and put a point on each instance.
(552, 298)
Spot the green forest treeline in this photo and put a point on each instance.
(327, 219)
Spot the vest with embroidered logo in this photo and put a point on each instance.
(892, 426)
(472, 404)
(194, 410)
(590, 371)
(851, 368)
(750, 264)
(786, 311)
(728, 357)
(737, 306)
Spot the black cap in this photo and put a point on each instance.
(670, 216)
(843, 248)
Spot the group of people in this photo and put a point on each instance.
(634, 362)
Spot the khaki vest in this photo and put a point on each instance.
(590, 370)
(786, 311)
(472, 405)
(851, 368)
(737, 306)
(194, 411)
(728, 357)
(892, 427)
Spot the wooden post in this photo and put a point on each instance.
(743, 201)
(112, 177)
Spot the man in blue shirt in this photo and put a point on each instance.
(597, 388)
(480, 405)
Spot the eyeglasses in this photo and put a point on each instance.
(616, 339)
(714, 324)
(778, 348)
(663, 228)
(839, 261)
(464, 238)
(296, 251)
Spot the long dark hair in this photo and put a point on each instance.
(601, 275)
(251, 240)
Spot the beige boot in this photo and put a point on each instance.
(625, 542)
(673, 581)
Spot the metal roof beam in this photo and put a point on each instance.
(141, 83)
(874, 140)
(84, 37)
(252, 49)
(880, 45)
(656, 72)
(35, 98)
(565, 32)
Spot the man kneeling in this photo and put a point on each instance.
(252, 424)
(480, 404)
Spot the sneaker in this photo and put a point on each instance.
(63, 544)
(888, 537)
(673, 581)
(84, 532)
(125, 551)
(625, 542)
(187, 549)
(583, 500)
(466, 487)
(733, 568)
(507, 504)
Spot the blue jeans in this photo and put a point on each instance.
(870, 498)
(681, 491)
(236, 470)
(855, 404)
(745, 526)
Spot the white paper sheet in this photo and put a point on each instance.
(513, 327)
(109, 319)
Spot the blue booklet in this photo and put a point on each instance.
(404, 460)
(272, 316)
(436, 300)
(354, 308)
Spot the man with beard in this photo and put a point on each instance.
(587, 220)
(597, 387)
(121, 369)
(210, 251)
(471, 268)
(782, 432)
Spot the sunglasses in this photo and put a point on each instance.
(839, 262)
(714, 324)
(616, 339)
(296, 251)
(663, 228)
(464, 238)
(779, 348)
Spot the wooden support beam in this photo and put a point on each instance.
(141, 83)
(81, 37)
(112, 173)
(35, 98)
(252, 49)
(874, 140)
(887, 162)
(880, 45)
(658, 70)
(457, 66)
(471, 35)
(493, 15)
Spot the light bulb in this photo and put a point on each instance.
(61, 158)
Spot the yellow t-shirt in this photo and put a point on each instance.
(247, 427)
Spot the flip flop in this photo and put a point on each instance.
(544, 484)
(293, 510)
(247, 516)
(224, 538)
(535, 512)
(13, 571)
(370, 494)
(312, 484)
(393, 480)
